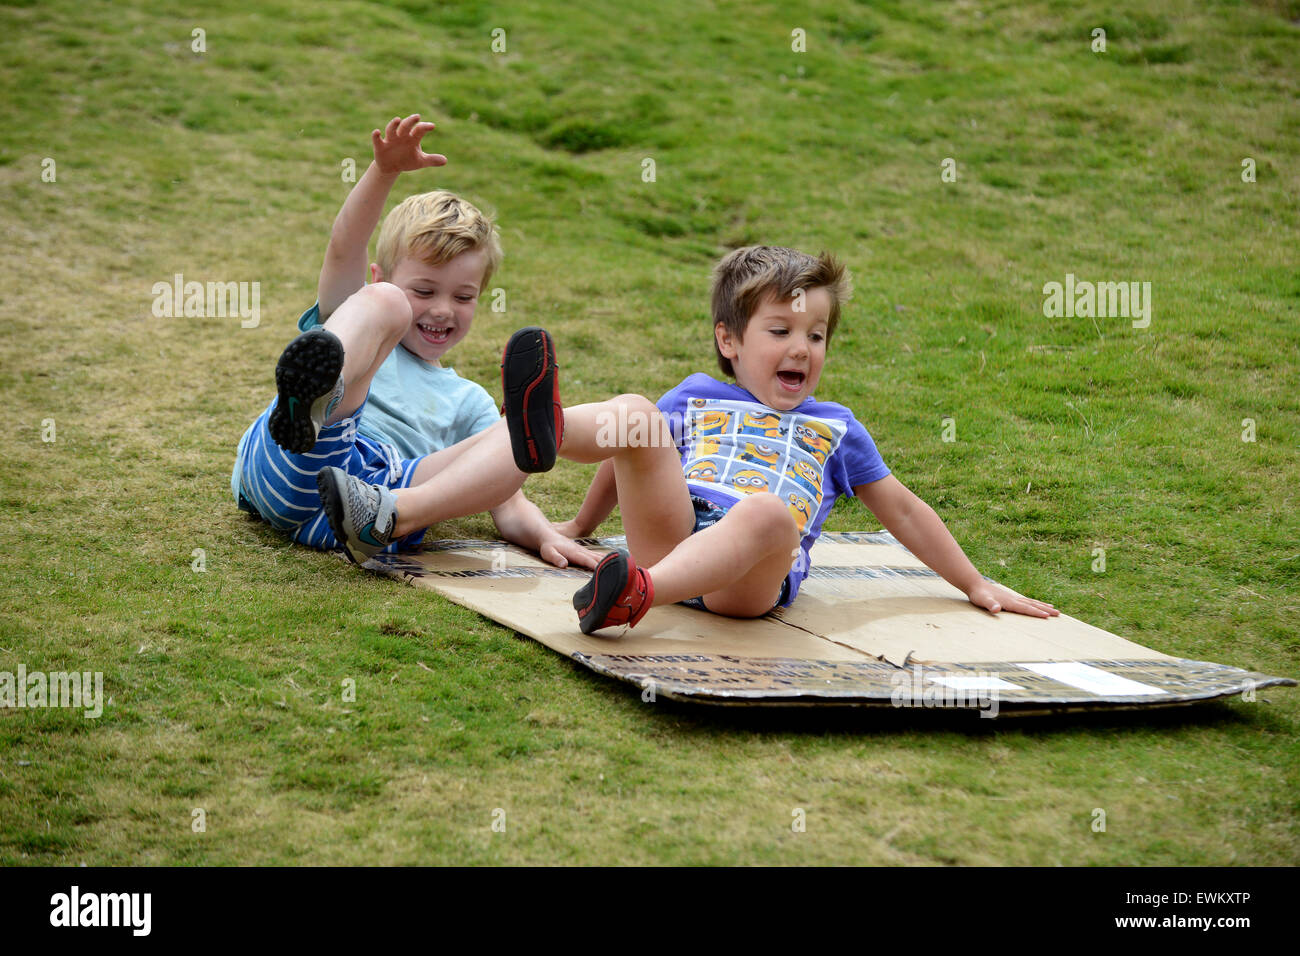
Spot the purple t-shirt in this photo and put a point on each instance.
(732, 445)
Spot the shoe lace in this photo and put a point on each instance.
(373, 502)
(336, 396)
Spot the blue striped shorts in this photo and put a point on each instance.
(280, 486)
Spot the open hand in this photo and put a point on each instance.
(994, 597)
(397, 149)
(561, 550)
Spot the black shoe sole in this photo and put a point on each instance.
(308, 368)
(528, 373)
(607, 582)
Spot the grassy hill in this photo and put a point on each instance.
(228, 163)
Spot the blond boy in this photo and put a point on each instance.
(363, 391)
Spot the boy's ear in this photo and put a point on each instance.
(376, 273)
(726, 344)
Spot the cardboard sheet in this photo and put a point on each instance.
(871, 625)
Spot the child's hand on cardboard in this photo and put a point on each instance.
(559, 549)
(397, 149)
(570, 528)
(994, 597)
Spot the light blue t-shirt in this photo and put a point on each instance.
(416, 407)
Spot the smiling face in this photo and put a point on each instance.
(779, 361)
(442, 300)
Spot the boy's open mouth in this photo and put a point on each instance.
(437, 334)
(793, 381)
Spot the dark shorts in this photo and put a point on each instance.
(707, 514)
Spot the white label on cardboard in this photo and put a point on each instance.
(985, 682)
(1093, 679)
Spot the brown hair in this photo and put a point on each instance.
(435, 228)
(745, 277)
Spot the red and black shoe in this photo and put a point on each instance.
(618, 593)
(530, 382)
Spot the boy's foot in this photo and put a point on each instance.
(531, 385)
(362, 516)
(310, 385)
(618, 593)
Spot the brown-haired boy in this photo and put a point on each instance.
(722, 507)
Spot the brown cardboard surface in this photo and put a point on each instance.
(871, 624)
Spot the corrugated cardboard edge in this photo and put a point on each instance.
(863, 633)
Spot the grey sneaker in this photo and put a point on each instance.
(362, 516)
(309, 380)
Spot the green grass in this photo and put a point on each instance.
(1072, 434)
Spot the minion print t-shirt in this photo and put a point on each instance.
(731, 446)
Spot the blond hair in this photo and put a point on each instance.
(435, 228)
(745, 277)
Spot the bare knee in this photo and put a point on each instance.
(632, 403)
(770, 520)
(385, 307)
(638, 422)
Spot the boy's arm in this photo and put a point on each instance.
(521, 522)
(921, 531)
(397, 151)
(601, 499)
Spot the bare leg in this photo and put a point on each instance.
(436, 462)
(738, 564)
(652, 494)
(369, 323)
(470, 477)
(479, 474)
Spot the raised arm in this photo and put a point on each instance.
(397, 150)
(921, 531)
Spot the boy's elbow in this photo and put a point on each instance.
(896, 512)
